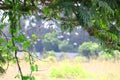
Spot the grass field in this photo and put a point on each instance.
(68, 70)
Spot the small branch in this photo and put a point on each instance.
(7, 48)
(30, 56)
(30, 61)
(5, 7)
(4, 35)
(23, 8)
(21, 74)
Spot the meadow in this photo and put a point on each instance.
(67, 69)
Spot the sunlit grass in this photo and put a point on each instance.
(75, 69)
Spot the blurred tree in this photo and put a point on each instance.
(64, 46)
(50, 41)
(89, 49)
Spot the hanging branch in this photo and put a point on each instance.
(4, 35)
(13, 31)
(15, 52)
(7, 49)
(30, 62)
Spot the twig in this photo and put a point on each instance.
(30, 62)
(4, 35)
(13, 43)
(7, 48)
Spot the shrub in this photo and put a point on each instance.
(50, 41)
(79, 58)
(89, 48)
(115, 54)
(65, 47)
(49, 53)
(67, 70)
(50, 59)
(105, 55)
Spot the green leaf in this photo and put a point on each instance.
(2, 26)
(2, 40)
(27, 59)
(20, 38)
(26, 77)
(14, 61)
(32, 68)
(36, 67)
(26, 44)
(32, 78)
(45, 10)
(14, 48)
(34, 36)
(2, 19)
(2, 59)
(93, 21)
(9, 43)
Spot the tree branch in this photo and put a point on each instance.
(23, 8)
(7, 48)
(15, 52)
(4, 35)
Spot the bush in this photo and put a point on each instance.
(105, 55)
(67, 70)
(109, 55)
(49, 53)
(79, 59)
(89, 48)
(50, 59)
(65, 47)
(50, 41)
(116, 53)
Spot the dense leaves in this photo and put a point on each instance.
(96, 16)
(50, 41)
